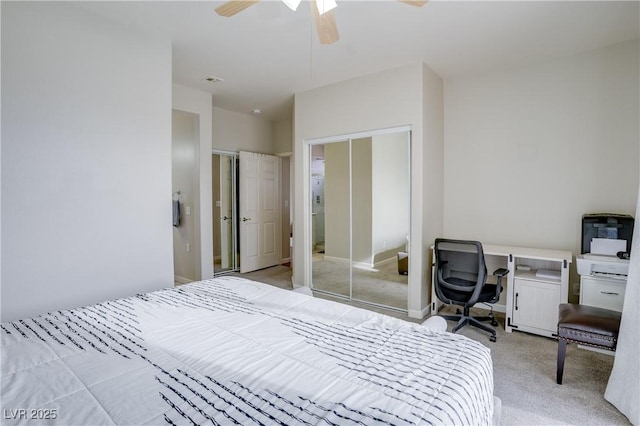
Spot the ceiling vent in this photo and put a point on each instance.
(213, 79)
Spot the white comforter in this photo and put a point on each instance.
(234, 351)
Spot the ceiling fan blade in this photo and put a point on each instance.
(416, 3)
(325, 24)
(232, 7)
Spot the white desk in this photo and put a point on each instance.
(530, 302)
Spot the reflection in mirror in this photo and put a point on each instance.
(225, 257)
(360, 191)
(380, 180)
(330, 218)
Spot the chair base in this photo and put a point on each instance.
(465, 318)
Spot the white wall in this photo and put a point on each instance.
(233, 131)
(387, 99)
(200, 103)
(282, 136)
(86, 160)
(529, 151)
(431, 174)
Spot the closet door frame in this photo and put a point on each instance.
(308, 253)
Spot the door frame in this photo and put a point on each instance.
(235, 267)
(289, 198)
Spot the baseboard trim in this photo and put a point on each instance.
(419, 314)
(336, 259)
(383, 262)
(181, 280)
(360, 265)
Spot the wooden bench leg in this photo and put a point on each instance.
(562, 351)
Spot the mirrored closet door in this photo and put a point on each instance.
(360, 203)
(330, 201)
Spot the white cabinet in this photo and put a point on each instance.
(602, 292)
(540, 283)
(535, 307)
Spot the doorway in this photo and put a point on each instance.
(247, 204)
(184, 145)
(224, 172)
(260, 211)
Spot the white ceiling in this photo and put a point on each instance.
(267, 53)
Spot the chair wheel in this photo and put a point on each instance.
(494, 323)
(492, 338)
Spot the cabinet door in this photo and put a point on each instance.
(536, 304)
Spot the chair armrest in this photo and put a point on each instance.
(501, 272)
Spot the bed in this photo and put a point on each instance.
(234, 351)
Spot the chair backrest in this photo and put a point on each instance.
(460, 271)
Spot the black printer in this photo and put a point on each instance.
(606, 225)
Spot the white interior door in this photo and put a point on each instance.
(260, 227)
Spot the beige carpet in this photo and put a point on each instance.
(382, 286)
(525, 372)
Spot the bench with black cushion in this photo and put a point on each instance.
(585, 325)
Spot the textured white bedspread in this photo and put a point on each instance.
(234, 351)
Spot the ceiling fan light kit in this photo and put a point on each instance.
(416, 3)
(233, 7)
(292, 4)
(321, 13)
(325, 24)
(325, 5)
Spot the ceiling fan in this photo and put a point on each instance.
(321, 12)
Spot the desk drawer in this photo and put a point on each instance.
(603, 293)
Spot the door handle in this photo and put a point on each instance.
(244, 219)
(517, 301)
(609, 292)
(226, 218)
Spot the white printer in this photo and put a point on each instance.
(604, 263)
(604, 266)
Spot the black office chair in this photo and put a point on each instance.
(461, 279)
